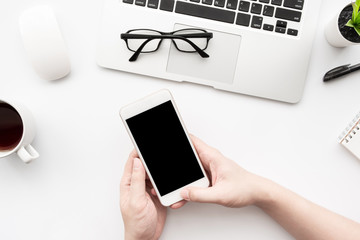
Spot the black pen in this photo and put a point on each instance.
(340, 71)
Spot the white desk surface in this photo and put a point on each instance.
(72, 190)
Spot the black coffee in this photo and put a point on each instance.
(11, 127)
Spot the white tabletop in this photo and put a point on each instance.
(72, 190)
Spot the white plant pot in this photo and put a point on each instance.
(333, 35)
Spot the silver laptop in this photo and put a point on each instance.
(259, 47)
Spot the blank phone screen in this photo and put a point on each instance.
(165, 148)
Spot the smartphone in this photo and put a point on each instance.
(164, 146)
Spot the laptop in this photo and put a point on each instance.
(260, 48)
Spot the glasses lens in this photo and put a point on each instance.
(143, 35)
(184, 46)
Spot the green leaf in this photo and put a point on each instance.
(357, 3)
(355, 11)
(357, 29)
(350, 23)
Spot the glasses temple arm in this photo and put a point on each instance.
(138, 51)
(198, 50)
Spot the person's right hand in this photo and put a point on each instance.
(231, 185)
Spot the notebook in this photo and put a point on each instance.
(350, 138)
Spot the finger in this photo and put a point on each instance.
(137, 186)
(153, 192)
(198, 144)
(129, 162)
(178, 204)
(148, 184)
(133, 154)
(126, 178)
(207, 154)
(204, 195)
(202, 150)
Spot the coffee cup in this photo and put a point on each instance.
(17, 131)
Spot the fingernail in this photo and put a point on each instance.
(185, 194)
(136, 163)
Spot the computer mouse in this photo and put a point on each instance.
(44, 43)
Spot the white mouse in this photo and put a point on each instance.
(44, 43)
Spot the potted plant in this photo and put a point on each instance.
(344, 29)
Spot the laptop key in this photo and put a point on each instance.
(167, 5)
(153, 4)
(256, 22)
(280, 30)
(292, 32)
(219, 3)
(128, 1)
(286, 14)
(268, 27)
(197, 1)
(231, 4)
(140, 2)
(243, 19)
(281, 23)
(268, 11)
(276, 2)
(244, 6)
(264, 1)
(296, 4)
(256, 8)
(205, 12)
(207, 2)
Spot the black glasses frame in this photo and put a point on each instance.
(167, 35)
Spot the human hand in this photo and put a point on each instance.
(231, 185)
(144, 216)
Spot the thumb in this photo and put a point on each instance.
(203, 195)
(137, 185)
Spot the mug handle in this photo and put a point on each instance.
(27, 153)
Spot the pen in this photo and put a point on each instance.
(340, 71)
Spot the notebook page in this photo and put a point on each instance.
(350, 138)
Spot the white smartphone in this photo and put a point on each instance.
(164, 146)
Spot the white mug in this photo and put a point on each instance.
(17, 131)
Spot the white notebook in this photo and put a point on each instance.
(350, 138)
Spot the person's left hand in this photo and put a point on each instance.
(144, 216)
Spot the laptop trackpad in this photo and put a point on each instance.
(223, 50)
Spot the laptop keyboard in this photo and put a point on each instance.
(267, 15)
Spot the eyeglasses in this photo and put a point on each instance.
(148, 41)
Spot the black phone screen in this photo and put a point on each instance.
(165, 148)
